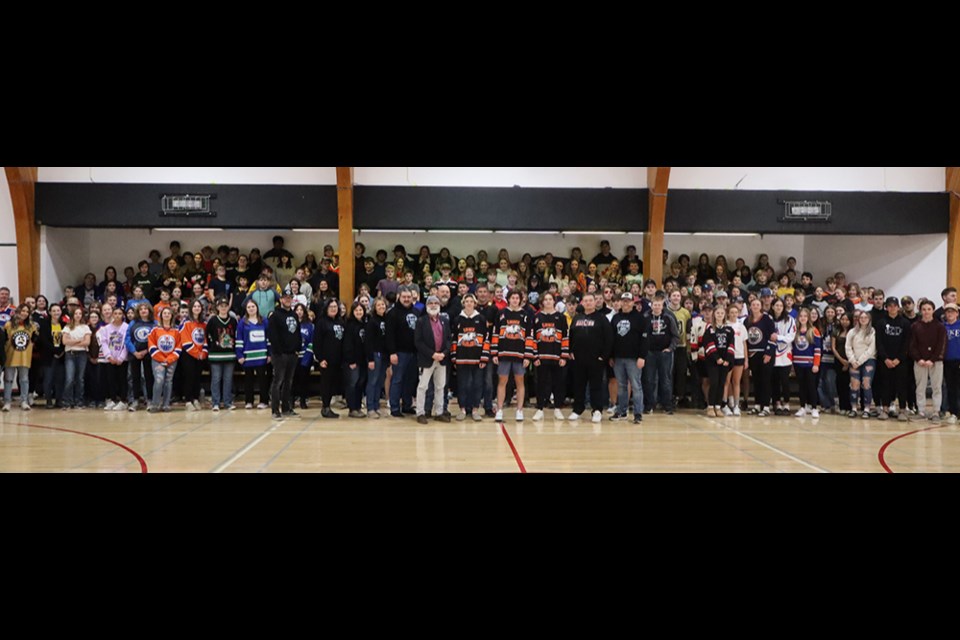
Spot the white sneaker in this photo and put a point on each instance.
(574, 417)
(799, 414)
(611, 411)
(597, 417)
(262, 406)
(120, 406)
(736, 411)
(951, 419)
(726, 411)
(197, 405)
(519, 416)
(191, 406)
(25, 406)
(216, 408)
(6, 408)
(461, 416)
(109, 406)
(815, 414)
(499, 416)
(476, 416)
(557, 415)
(248, 406)
(538, 416)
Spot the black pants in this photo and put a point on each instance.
(248, 380)
(585, 373)
(717, 376)
(681, 360)
(781, 384)
(115, 379)
(761, 377)
(140, 371)
(551, 378)
(284, 366)
(93, 387)
(301, 382)
(329, 384)
(843, 387)
(951, 374)
(892, 385)
(807, 381)
(192, 368)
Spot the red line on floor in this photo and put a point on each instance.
(143, 463)
(883, 450)
(516, 455)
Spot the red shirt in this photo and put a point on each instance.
(437, 333)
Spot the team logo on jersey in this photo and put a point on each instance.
(226, 340)
(513, 331)
(258, 335)
(116, 342)
(166, 343)
(291, 324)
(893, 330)
(363, 334)
(802, 342)
(584, 322)
(305, 332)
(548, 334)
(338, 331)
(412, 321)
(754, 336)
(623, 328)
(21, 340)
(383, 328)
(468, 339)
(659, 326)
(141, 333)
(953, 333)
(199, 336)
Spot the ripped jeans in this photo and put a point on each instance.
(862, 376)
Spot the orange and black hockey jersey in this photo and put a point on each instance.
(510, 335)
(549, 339)
(470, 345)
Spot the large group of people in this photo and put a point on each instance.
(493, 332)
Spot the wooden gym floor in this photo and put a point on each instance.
(249, 442)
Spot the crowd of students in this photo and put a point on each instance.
(419, 329)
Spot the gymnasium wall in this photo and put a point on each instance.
(8, 241)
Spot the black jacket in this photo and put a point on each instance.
(426, 345)
(45, 341)
(353, 339)
(591, 338)
(283, 332)
(401, 324)
(376, 338)
(631, 335)
(328, 341)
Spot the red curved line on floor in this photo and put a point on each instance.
(883, 450)
(143, 463)
(516, 455)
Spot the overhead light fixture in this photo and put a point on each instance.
(187, 205)
(188, 229)
(806, 211)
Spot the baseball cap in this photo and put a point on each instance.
(221, 301)
(951, 307)
(706, 287)
(649, 281)
(765, 292)
(891, 300)
(722, 294)
(286, 294)
(627, 296)
(906, 300)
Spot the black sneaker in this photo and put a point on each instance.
(638, 419)
(490, 413)
(669, 412)
(277, 416)
(291, 414)
(409, 412)
(396, 414)
(617, 417)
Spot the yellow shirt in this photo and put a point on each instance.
(20, 343)
(783, 291)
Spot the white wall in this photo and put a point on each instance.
(779, 248)
(903, 265)
(571, 177)
(192, 175)
(8, 236)
(924, 179)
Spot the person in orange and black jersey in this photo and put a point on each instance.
(470, 352)
(489, 311)
(550, 344)
(509, 351)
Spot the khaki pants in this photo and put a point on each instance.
(438, 373)
(936, 380)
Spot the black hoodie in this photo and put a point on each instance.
(328, 339)
(893, 337)
(283, 332)
(401, 326)
(353, 343)
(375, 340)
(591, 338)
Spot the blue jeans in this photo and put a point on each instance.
(375, 380)
(221, 373)
(354, 385)
(469, 387)
(162, 384)
(11, 373)
(627, 372)
(404, 382)
(53, 382)
(658, 380)
(489, 386)
(863, 376)
(76, 366)
(828, 385)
